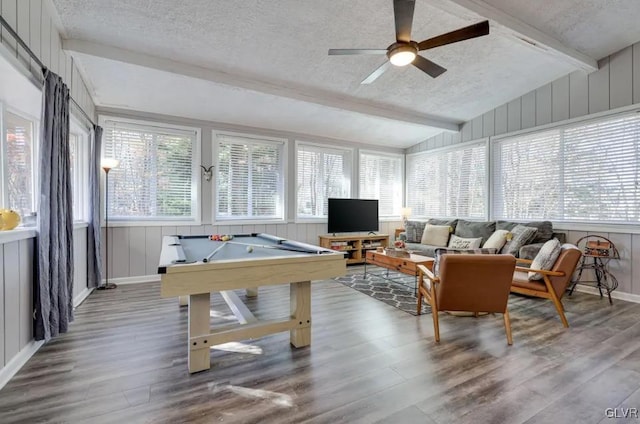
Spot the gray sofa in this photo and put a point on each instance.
(473, 229)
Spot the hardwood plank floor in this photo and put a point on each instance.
(124, 361)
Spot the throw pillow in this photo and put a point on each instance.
(413, 231)
(436, 235)
(464, 243)
(520, 235)
(546, 257)
(497, 239)
(439, 252)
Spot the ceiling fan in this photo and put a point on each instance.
(405, 51)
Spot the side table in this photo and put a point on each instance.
(597, 252)
(398, 231)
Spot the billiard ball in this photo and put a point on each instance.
(249, 249)
(224, 238)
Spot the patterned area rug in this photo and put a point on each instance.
(397, 291)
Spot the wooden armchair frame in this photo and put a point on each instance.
(551, 292)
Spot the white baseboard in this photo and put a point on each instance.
(629, 297)
(18, 361)
(81, 297)
(135, 280)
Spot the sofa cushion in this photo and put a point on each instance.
(414, 230)
(441, 251)
(544, 233)
(436, 235)
(497, 239)
(520, 235)
(546, 258)
(474, 229)
(450, 222)
(464, 243)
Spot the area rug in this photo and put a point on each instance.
(398, 293)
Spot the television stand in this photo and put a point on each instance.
(356, 246)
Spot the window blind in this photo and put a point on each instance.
(155, 179)
(250, 182)
(381, 178)
(448, 183)
(18, 176)
(322, 173)
(584, 172)
(526, 177)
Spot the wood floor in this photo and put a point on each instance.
(124, 361)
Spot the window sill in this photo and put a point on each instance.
(17, 234)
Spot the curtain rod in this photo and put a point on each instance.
(35, 58)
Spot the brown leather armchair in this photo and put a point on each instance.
(554, 282)
(472, 283)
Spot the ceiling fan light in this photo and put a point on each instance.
(402, 57)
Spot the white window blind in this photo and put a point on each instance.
(19, 173)
(381, 178)
(526, 177)
(156, 177)
(250, 178)
(583, 172)
(322, 172)
(448, 183)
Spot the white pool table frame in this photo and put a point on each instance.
(198, 280)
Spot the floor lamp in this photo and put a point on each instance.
(107, 165)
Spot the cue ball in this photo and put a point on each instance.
(249, 249)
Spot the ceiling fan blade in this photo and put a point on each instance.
(375, 74)
(403, 12)
(427, 66)
(333, 52)
(472, 31)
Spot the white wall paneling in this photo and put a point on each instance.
(599, 88)
(616, 84)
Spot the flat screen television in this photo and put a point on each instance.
(352, 215)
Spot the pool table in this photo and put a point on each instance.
(195, 266)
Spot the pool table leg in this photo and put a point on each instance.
(199, 356)
(251, 291)
(300, 299)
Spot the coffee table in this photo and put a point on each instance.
(407, 265)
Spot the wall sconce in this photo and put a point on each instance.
(207, 172)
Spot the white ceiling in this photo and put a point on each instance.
(265, 64)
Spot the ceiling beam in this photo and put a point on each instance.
(525, 32)
(251, 83)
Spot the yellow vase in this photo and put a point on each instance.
(9, 219)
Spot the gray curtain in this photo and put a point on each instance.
(94, 263)
(54, 284)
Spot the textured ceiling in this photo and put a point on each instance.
(282, 45)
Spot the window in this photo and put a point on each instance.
(381, 178)
(18, 176)
(449, 182)
(584, 172)
(321, 172)
(158, 174)
(249, 178)
(79, 160)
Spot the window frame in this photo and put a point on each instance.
(379, 153)
(458, 146)
(196, 186)
(348, 173)
(81, 185)
(561, 127)
(35, 159)
(284, 146)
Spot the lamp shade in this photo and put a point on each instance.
(109, 163)
(405, 212)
